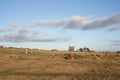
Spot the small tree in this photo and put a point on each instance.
(118, 51)
(80, 50)
(85, 49)
(88, 50)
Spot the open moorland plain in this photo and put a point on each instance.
(27, 64)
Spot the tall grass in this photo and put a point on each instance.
(51, 65)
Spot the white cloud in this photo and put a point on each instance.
(49, 39)
(51, 22)
(85, 23)
(26, 32)
(98, 23)
(78, 22)
(26, 37)
(73, 22)
(5, 29)
(115, 42)
(112, 28)
(14, 25)
(13, 29)
(23, 30)
(104, 22)
(13, 37)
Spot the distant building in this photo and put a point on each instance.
(71, 48)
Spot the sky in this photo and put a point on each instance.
(56, 24)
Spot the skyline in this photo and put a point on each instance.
(56, 24)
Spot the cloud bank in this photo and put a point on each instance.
(27, 34)
(24, 33)
(78, 22)
(23, 37)
(115, 42)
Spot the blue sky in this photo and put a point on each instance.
(56, 24)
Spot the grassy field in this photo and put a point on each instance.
(51, 65)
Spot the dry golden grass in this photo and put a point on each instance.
(51, 65)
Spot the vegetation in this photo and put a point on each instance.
(85, 49)
(58, 65)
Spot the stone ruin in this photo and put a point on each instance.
(71, 48)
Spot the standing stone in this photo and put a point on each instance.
(31, 51)
(26, 51)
